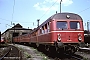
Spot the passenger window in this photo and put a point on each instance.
(42, 29)
(48, 27)
(45, 28)
(74, 25)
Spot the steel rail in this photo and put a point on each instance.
(74, 56)
(5, 54)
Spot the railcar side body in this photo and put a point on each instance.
(59, 30)
(22, 38)
(68, 25)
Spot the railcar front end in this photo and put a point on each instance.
(68, 32)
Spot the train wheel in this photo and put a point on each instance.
(60, 50)
(70, 50)
(47, 48)
(81, 44)
(41, 48)
(37, 44)
(52, 51)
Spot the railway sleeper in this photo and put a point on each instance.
(11, 58)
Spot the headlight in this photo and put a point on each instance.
(79, 37)
(59, 37)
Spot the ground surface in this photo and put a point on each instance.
(85, 54)
(31, 53)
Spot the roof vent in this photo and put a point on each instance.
(67, 16)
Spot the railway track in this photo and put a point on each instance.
(61, 56)
(74, 56)
(11, 53)
(68, 57)
(85, 52)
(55, 56)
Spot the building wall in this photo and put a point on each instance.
(8, 35)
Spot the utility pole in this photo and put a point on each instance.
(0, 36)
(60, 5)
(13, 33)
(88, 26)
(38, 22)
(56, 12)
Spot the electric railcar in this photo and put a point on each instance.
(2, 40)
(61, 30)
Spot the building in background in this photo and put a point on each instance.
(15, 31)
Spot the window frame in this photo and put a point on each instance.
(62, 21)
(75, 29)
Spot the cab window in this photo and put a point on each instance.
(74, 25)
(61, 25)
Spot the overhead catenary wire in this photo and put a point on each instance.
(13, 16)
(84, 10)
(4, 19)
(40, 17)
(13, 21)
(87, 22)
(49, 9)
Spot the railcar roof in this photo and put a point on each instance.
(62, 16)
(66, 16)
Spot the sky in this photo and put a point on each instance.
(27, 12)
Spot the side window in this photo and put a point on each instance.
(42, 29)
(48, 27)
(78, 25)
(45, 28)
